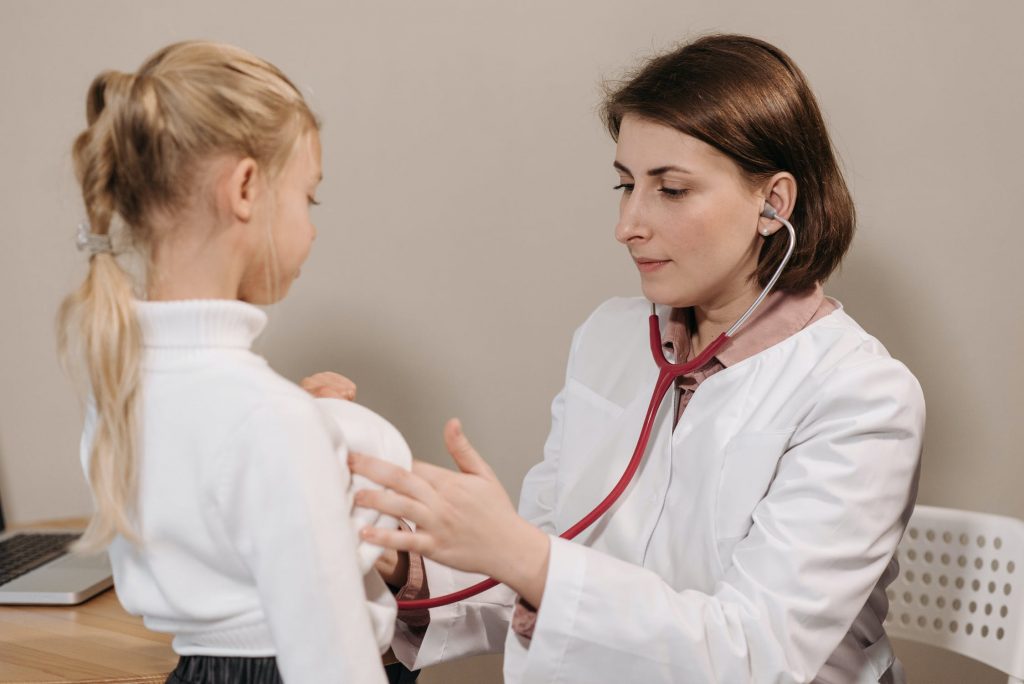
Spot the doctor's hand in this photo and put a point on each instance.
(463, 519)
(330, 385)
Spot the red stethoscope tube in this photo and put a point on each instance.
(667, 374)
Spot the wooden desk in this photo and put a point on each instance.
(96, 641)
(93, 642)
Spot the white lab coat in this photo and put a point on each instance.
(756, 542)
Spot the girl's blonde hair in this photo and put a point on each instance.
(140, 156)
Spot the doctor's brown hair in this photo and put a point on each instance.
(747, 99)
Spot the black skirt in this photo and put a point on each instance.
(224, 670)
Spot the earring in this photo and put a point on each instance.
(764, 232)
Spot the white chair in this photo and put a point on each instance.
(960, 586)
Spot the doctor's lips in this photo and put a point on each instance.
(646, 265)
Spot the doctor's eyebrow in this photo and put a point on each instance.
(653, 172)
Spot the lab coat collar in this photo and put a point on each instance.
(781, 315)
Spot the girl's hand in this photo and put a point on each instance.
(330, 385)
(463, 519)
(393, 567)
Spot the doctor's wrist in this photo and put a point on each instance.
(523, 562)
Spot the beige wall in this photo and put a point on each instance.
(467, 218)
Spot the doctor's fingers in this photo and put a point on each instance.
(391, 476)
(442, 479)
(399, 540)
(462, 451)
(435, 475)
(395, 505)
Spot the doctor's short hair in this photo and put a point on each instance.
(748, 99)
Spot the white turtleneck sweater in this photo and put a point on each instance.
(249, 543)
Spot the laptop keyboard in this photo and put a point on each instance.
(24, 552)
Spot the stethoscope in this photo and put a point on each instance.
(668, 373)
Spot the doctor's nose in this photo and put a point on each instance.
(632, 225)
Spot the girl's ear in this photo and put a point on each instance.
(242, 189)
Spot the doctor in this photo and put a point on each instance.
(757, 540)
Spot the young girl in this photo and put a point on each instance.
(219, 486)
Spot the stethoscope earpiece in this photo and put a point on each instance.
(769, 213)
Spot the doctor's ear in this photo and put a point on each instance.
(780, 195)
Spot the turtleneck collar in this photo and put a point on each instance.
(199, 323)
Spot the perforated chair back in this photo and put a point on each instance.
(960, 586)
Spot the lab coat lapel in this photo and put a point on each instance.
(620, 531)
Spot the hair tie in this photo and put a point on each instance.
(95, 244)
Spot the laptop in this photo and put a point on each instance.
(36, 568)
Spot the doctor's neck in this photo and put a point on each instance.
(711, 320)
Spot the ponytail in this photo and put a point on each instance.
(100, 314)
(99, 319)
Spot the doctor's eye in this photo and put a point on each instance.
(313, 202)
(673, 192)
(625, 187)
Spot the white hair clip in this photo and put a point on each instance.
(95, 244)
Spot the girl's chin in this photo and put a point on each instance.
(261, 297)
